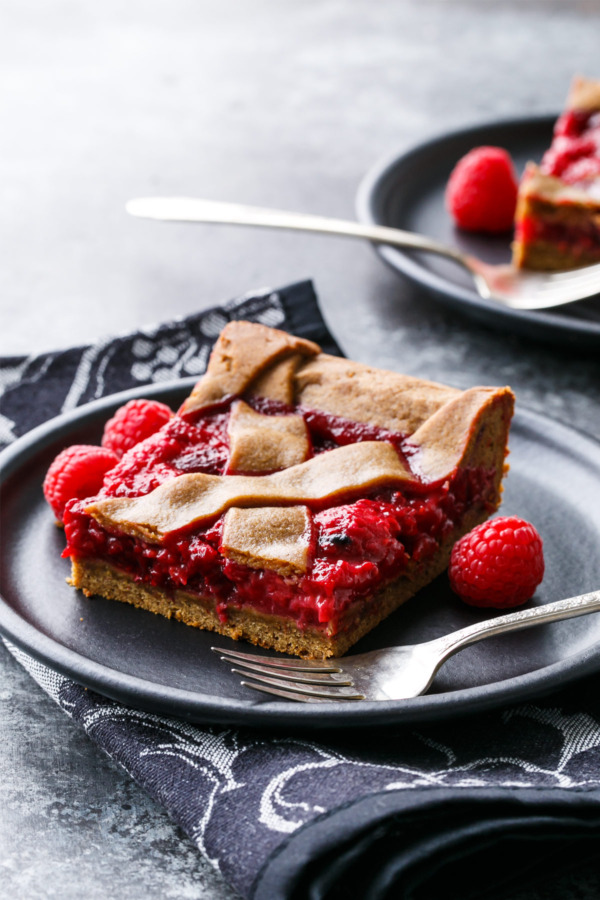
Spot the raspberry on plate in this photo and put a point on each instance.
(76, 473)
(498, 564)
(482, 189)
(134, 422)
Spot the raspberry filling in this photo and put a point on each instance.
(574, 155)
(178, 448)
(572, 239)
(355, 548)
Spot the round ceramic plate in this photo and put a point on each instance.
(407, 191)
(164, 666)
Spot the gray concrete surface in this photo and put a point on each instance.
(269, 102)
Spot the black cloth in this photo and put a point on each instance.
(475, 808)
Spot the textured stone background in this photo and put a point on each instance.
(260, 101)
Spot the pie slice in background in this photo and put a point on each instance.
(557, 221)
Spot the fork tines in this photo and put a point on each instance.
(303, 680)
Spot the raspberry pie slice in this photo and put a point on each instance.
(558, 210)
(296, 499)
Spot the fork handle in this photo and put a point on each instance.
(194, 209)
(523, 618)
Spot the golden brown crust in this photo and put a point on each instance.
(584, 94)
(259, 443)
(277, 382)
(196, 498)
(243, 352)
(468, 431)
(329, 384)
(271, 537)
(361, 393)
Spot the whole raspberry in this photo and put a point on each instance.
(134, 422)
(482, 191)
(77, 472)
(499, 563)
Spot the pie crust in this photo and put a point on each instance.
(348, 488)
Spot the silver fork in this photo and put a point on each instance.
(396, 673)
(517, 288)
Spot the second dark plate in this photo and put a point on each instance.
(407, 191)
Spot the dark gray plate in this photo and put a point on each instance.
(163, 666)
(407, 191)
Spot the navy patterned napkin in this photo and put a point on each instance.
(469, 809)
